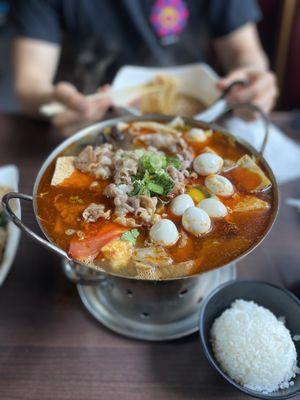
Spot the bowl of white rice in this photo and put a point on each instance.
(250, 333)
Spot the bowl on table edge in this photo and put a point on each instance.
(278, 300)
(9, 177)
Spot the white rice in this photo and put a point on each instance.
(254, 348)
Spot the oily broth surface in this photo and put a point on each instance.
(228, 239)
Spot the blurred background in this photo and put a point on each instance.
(279, 31)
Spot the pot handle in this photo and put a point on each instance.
(13, 217)
(248, 106)
(219, 106)
(231, 86)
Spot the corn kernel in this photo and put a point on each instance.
(196, 195)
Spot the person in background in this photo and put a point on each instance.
(3, 12)
(110, 34)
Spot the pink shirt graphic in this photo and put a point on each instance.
(169, 17)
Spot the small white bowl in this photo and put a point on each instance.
(197, 80)
(9, 176)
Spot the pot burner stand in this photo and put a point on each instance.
(148, 310)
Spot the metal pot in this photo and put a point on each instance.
(142, 309)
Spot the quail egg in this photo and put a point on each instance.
(196, 135)
(196, 221)
(207, 163)
(219, 185)
(213, 207)
(181, 203)
(164, 233)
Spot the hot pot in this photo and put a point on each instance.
(150, 310)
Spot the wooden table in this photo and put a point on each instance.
(51, 348)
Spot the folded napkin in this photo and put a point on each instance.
(282, 153)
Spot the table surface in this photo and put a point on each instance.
(51, 348)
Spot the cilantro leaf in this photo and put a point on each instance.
(155, 188)
(163, 179)
(152, 162)
(137, 186)
(140, 187)
(159, 183)
(173, 161)
(152, 178)
(131, 236)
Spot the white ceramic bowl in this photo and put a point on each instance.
(9, 176)
(197, 80)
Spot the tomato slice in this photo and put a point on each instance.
(95, 238)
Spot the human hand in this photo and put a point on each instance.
(260, 88)
(80, 112)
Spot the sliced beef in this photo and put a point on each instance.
(125, 165)
(119, 193)
(163, 141)
(142, 207)
(186, 157)
(178, 178)
(97, 161)
(94, 212)
(145, 210)
(128, 222)
(120, 165)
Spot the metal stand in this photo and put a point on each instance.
(149, 310)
